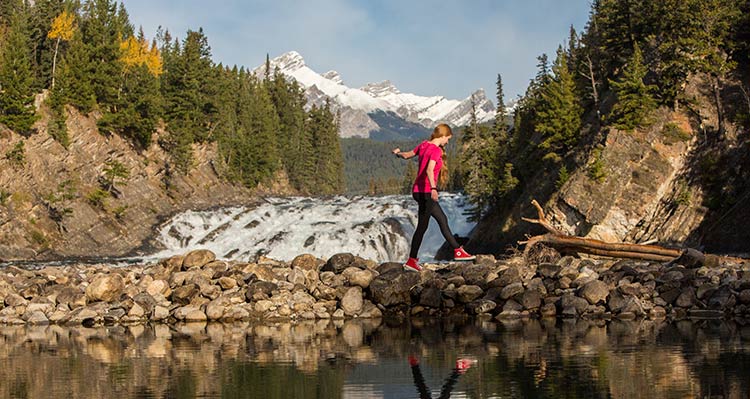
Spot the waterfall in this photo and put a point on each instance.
(378, 228)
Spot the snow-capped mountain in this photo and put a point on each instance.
(379, 110)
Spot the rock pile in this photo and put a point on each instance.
(198, 287)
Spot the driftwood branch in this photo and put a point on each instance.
(566, 243)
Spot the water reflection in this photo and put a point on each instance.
(363, 359)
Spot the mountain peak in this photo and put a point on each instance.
(381, 89)
(333, 76)
(290, 61)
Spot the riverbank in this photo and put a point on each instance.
(196, 287)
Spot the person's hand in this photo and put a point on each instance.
(396, 151)
(434, 195)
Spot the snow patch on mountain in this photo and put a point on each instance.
(356, 103)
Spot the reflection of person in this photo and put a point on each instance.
(424, 393)
(425, 192)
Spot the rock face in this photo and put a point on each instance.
(502, 289)
(92, 230)
(642, 191)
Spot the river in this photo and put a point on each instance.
(370, 359)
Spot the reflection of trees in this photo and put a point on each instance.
(317, 359)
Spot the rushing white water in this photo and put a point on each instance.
(378, 228)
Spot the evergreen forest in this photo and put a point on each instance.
(632, 59)
(88, 55)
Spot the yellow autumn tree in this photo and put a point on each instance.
(63, 27)
(135, 52)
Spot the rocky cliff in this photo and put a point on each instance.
(49, 206)
(681, 180)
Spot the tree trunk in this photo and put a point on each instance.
(567, 243)
(54, 63)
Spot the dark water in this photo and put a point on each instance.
(366, 359)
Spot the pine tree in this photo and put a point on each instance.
(103, 28)
(559, 118)
(634, 100)
(17, 109)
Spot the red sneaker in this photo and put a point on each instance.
(413, 361)
(464, 364)
(412, 265)
(461, 254)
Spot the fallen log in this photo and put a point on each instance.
(567, 243)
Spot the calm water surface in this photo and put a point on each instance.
(369, 359)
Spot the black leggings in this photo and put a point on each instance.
(427, 208)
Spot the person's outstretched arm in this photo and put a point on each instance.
(405, 155)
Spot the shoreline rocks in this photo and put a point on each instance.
(197, 287)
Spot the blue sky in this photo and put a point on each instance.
(448, 48)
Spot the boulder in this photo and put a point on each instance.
(430, 297)
(198, 258)
(351, 303)
(594, 292)
(338, 263)
(105, 287)
(184, 294)
(468, 293)
(481, 306)
(259, 290)
(394, 287)
(306, 262)
(511, 290)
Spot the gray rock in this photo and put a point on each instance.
(227, 283)
(430, 297)
(338, 263)
(595, 291)
(511, 290)
(548, 310)
(531, 299)
(351, 303)
(362, 278)
(468, 293)
(508, 276)
(198, 258)
(481, 306)
(105, 287)
(475, 275)
(548, 270)
(568, 301)
(393, 288)
(260, 290)
(185, 294)
(722, 299)
(687, 298)
(389, 266)
(306, 262)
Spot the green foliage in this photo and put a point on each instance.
(119, 212)
(508, 182)
(17, 109)
(562, 177)
(4, 196)
(559, 117)
(322, 127)
(115, 173)
(57, 202)
(682, 196)
(674, 134)
(369, 164)
(634, 100)
(596, 170)
(39, 238)
(16, 155)
(98, 198)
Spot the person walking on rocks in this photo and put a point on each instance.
(431, 155)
